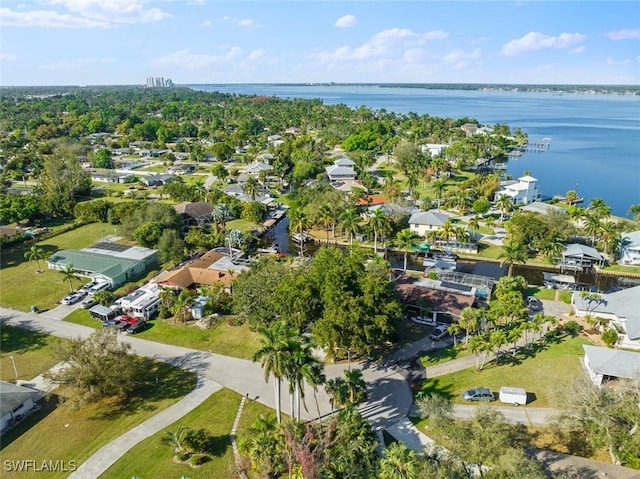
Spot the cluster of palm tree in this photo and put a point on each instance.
(285, 354)
(349, 390)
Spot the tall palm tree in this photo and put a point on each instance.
(381, 224)
(337, 390)
(592, 226)
(250, 188)
(69, 275)
(350, 223)
(304, 367)
(35, 253)
(356, 386)
(276, 347)
(326, 219)
(474, 223)
(399, 462)
(599, 208)
(469, 320)
(634, 210)
(504, 203)
(200, 190)
(608, 235)
(299, 223)
(405, 240)
(447, 231)
(439, 187)
(513, 253)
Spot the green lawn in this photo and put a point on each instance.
(63, 431)
(152, 459)
(32, 353)
(241, 225)
(554, 365)
(20, 283)
(237, 341)
(443, 355)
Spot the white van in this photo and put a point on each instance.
(515, 396)
(99, 286)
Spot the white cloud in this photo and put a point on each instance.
(624, 34)
(459, 59)
(613, 62)
(256, 55)
(206, 23)
(113, 11)
(77, 64)
(46, 19)
(195, 61)
(579, 49)
(240, 22)
(346, 21)
(391, 43)
(534, 41)
(7, 57)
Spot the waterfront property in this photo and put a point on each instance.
(630, 251)
(113, 262)
(542, 208)
(522, 192)
(208, 270)
(559, 281)
(621, 308)
(423, 222)
(606, 364)
(198, 213)
(577, 256)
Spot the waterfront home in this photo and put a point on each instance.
(558, 281)
(205, 270)
(542, 208)
(522, 192)
(577, 256)
(197, 213)
(423, 222)
(630, 251)
(342, 169)
(606, 364)
(621, 308)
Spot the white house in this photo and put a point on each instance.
(342, 169)
(630, 252)
(422, 222)
(604, 364)
(521, 192)
(621, 308)
(434, 149)
(15, 403)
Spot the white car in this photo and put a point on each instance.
(439, 332)
(73, 298)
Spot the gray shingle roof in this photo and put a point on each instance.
(12, 396)
(428, 218)
(613, 362)
(624, 304)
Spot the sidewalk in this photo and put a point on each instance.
(101, 460)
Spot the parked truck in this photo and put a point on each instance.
(510, 395)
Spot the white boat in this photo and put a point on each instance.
(559, 281)
(304, 237)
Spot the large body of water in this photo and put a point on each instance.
(595, 139)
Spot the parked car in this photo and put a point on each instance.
(87, 287)
(98, 286)
(136, 327)
(112, 322)
(89, 303)
(479, 394)
(126, 321)
(439, 332)
(534, 303)
(73, 298)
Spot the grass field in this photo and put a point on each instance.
(20, 283)
(237, 341)
(553, 365)
(443, 355)
(152, 459)
(63, 431)
(32, 353)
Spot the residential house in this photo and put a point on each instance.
(630, 251)
(347, 186)
(197, 213)
(606, 364)
(521, 192)
(157, 180)
(181, 169)
(432, 304)
(434, 149)
(423, 222)
(342, 169)
(15, 403)
(109, 176)
(578, 256)
(621, 308)
(256, 167)
(542, 208)
(113, 262)
(275, 140)
(206, 270)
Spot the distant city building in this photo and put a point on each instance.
(158, 82)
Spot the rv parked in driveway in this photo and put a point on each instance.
(515, 396)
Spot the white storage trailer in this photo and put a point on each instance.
(515, 396)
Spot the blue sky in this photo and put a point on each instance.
(114, 42)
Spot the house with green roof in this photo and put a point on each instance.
(112, 262)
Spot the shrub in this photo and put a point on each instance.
(610, 337)
(572, 327)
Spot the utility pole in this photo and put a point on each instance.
(15, 369)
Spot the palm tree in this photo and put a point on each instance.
(276, 348)
(513, 253)
(439, 187)
(635, 211)
(609, 235)
(69, 275)
(200, 190)
(469, 320)
(399, 462)
(35, 253)
(447, 231)
(326, 219)
(250, 188)
(592, 226)
(180, 304)
(405, 240)
(504, 203)
(305, 367)
(299, 223)
(474, 223)
(349, 223)
(337, 391)
(176, 439)
(381, 224)
(599, 208)
(552, 246)
(355, 385)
